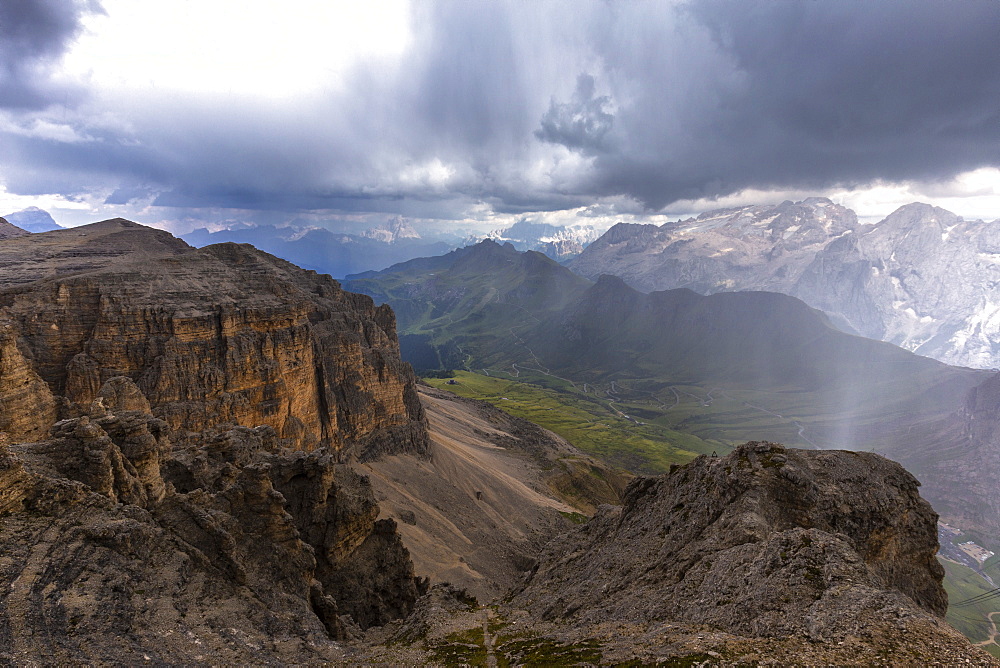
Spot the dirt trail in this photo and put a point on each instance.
(993, 634)
(488, 640)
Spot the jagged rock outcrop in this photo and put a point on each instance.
(235, 550)
(763, 543)
(220, 335)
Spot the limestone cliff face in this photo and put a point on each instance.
(27, 406)
(765, 542)
(224, 334)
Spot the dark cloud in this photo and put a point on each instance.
(819, 94)
(541, 106)
(581, 124)
(34, 34)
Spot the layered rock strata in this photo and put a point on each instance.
(220, 335)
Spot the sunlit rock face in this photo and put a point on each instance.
(923, 278)
(173, 429)
(221, 335)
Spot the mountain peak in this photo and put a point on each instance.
(33, 220)
(394, 229)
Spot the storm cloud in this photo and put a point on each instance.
(33, 35)
(536, 106)
(580, 124)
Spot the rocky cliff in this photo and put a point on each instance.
(922, 278)
(234, 551)
(220, 335)
(172, 427)
(833, 550)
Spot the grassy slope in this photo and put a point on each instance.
(962, 584)
(587, 422)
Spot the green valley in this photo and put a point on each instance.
(598, 426)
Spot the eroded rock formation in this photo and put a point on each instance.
(766, 542)
(236, 550)
(173, 424)
(220, 335)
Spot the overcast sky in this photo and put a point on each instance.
(478, 113)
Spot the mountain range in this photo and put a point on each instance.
(721, 367)
(922, 278)
(327, 252)
(214, 456)
(558, 242)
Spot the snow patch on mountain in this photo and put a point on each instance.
(559, 243)
(922, 278)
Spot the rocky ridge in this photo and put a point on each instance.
(747, 248)
(9, 230)
(769, 546)
(220, 335)
(922, 278)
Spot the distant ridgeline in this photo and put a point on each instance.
(726, 367)
(922, 278)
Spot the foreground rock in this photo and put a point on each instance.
(121, 548)
(778, 555)
(173, 424)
